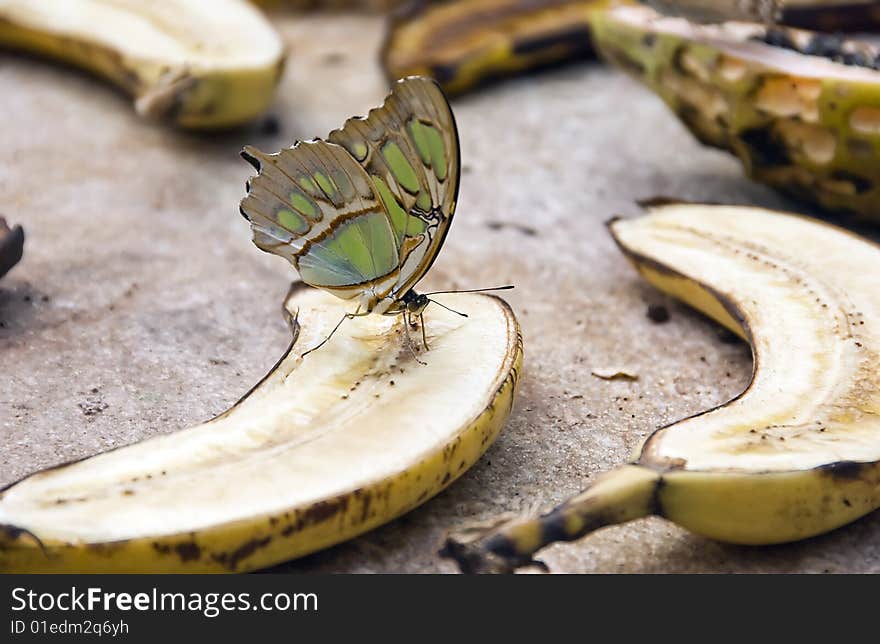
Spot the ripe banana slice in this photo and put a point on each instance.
(795, 455)
(798, 108)
(198, 63)
(325, 447)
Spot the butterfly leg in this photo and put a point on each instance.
(347, 316)
(424, 334)
(409, 343)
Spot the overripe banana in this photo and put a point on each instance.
(832, 15)
(463, 43)
(801, 110)
(197, 63)
(797, 453)
(325, 447)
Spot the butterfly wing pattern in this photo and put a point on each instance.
(364, 213)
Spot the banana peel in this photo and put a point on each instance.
(802, 123)
(832, 15)
(796, 454)
(325, 447)
(465, 43)
(11, 246)
(374, 6)
(817, 15)
(196, 63)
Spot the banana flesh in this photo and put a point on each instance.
(324, 448)
(797, 453)
(196, 63)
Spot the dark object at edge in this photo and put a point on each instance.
(856, 16)
(11, 246)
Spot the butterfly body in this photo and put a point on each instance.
(363, 213)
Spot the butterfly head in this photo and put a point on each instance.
(415, 303)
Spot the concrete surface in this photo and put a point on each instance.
(141, 305)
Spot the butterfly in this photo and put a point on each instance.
(363, 214)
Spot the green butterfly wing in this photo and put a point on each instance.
(363, 214)
(410, 149)
(316, 207)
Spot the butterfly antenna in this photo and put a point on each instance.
(473, 290)
(464, 315)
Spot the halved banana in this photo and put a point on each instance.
(198, 63)
(325, 447)
(797, 453)
(799, 109)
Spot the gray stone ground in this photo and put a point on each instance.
(142, 307)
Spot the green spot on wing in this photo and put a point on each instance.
(322, 267)
(415, 226)
(424, 201)
(400, 167)
(305, 205)
(359, 150)
(438, 151)
(308, 185)
(359, 249)
(395, 212)
(292, 221)
(325, 183)
(420, 138)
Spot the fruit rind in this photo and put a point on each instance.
(802, 124)
(465, 43)
(770, 508)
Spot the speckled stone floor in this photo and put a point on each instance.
(141, 305)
